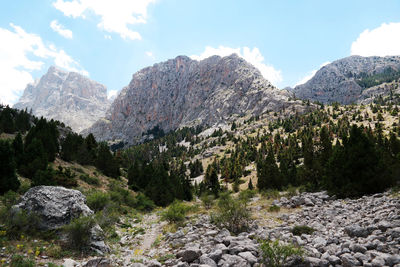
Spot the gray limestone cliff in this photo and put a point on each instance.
(185, 92)
(337, 81)
(66, 96)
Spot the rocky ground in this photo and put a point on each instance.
(361, 232)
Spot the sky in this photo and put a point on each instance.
(110, 40)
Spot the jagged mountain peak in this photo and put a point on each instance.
(69, 97)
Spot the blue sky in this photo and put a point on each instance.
(110, 40)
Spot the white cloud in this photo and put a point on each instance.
(311, 74)
(16, 48)
(108, 37)
(60, 29)
(150, 54)
(112, 94)
(115, 15)
(251, 55)
(381, 41)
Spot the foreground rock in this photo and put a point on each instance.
(56, 206)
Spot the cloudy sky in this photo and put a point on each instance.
(109, 40)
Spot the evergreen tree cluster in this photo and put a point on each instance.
(13, 120)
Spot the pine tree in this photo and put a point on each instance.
(250, 186)
(106, 162)
(18, 147)
(8, 178)
(35, 158)
(268, 172)
(211, 179)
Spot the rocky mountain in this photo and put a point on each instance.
(185, 92)
(66, 96)
(344, 80)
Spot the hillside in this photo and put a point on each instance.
(184, 92)
(220, 171)
(345, 80)
(68, 97)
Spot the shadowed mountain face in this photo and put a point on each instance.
(185, 92)
(343, 80)
(66, 96)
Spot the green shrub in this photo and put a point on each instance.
(54, 251)
(90, 179)
(302, 229)
(18, 222)
(247, 194)
(143, 203)
(175, 213)
(275, 254)
(108, 216)
(231, 214)
(207, 200)
(271, 194)
(21, 261)
(274, 208)
(78, 232)
(121, 195)
(97, 200)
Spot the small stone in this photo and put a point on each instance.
(378, 262)
(248, 256)
(358, 248)
(392, 260)
(69, 263)
(189, 255)
(356, 231)
(348, 260)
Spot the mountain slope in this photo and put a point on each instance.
(185, 92)
(66, 96)
(342, 80)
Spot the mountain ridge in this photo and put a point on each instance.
(337, 81)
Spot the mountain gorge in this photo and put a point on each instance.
(346, 80)
(184, 92)
(68, 97)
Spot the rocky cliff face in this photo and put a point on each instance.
(66, 96)
(337, 82)
(185, 92)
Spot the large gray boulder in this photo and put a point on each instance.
(55, 206)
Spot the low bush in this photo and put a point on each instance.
(55, 251)
(90, 179)
(143, 203)
(302, 229)
(232, 214)
(21, 261)
(78, 232)
(97, 200)
(274, 208)
(175, 213)
(207, 200)
(271, 194)
(275, 254)
(20, 222)
(246, 195)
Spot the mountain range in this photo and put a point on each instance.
(185, 92)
